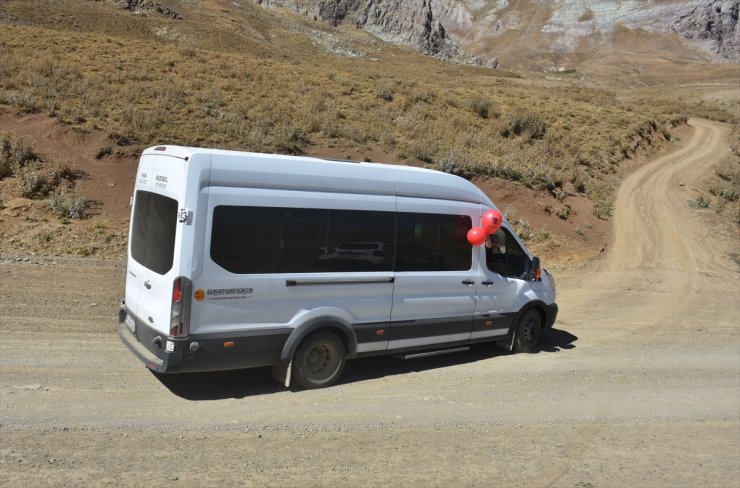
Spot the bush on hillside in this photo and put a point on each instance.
(68, 204)
(525, 123)
(15, 153)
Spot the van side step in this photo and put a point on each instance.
(431, 353)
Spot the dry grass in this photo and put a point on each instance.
(255, 81)
(726, 182)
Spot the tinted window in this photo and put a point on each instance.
(504, 255)
(250, 240)
(433, 242)
(153, 231)
(360, 241)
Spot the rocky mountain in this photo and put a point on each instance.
(403, 22)
(141, 6)
(482, 31)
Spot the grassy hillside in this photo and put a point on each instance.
(231, 75)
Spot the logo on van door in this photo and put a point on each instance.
(229, 293)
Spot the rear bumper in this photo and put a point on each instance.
(150, 360)
(201, 352)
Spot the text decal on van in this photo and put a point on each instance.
(229, 293)
(160, 181)
(143, 178)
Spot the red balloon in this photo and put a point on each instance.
(476, 236)
(491, 221)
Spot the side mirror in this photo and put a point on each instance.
(535, 270)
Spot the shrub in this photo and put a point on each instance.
(522, 229)
(727, 172)
(703, 202)
(421, 151)
(602, 209)
(729, 193)
(457, 163)
(67, 204)
(384, 93)
(26, 103)
(103, 151)
(600, 194)
(564, 212)
(36, 180)
(521, 123)
(483, 108)
(28, 182)
(15, 153)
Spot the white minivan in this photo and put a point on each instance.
(239, 260)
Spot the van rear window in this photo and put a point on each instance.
(153, 231)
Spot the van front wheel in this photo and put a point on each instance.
(528, 331)
(319, 360)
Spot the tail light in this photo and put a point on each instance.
(180, 311)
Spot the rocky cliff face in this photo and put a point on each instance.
(713, 25)
(457, 29)
(401, 22)
(142, 6)
(710, 25)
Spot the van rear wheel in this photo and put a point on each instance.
(528, 331)
(319, 360)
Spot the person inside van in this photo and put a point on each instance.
(492, 243)
(503, 255)
(495, 255)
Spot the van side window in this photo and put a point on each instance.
(252, 240)
(504, 255)
(360, 240)
(433, 242)
(256, 240)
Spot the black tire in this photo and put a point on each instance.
(528, 331)
(319, 360)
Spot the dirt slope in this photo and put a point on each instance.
(638, 385)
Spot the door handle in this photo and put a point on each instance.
(468, 282)
(487, 283)
(148, 285)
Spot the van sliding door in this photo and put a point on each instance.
(436, 273)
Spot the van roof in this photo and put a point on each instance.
(333, 175)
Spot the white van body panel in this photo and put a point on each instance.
(242, 318)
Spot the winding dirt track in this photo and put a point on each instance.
(638, 385)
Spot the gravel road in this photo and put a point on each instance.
(637, 385)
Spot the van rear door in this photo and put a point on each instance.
(153, 263)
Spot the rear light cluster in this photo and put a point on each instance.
(180, 311)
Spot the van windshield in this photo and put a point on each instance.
(153, 231)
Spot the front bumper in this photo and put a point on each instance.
(552, 314)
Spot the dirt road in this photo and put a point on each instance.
(638, 385)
